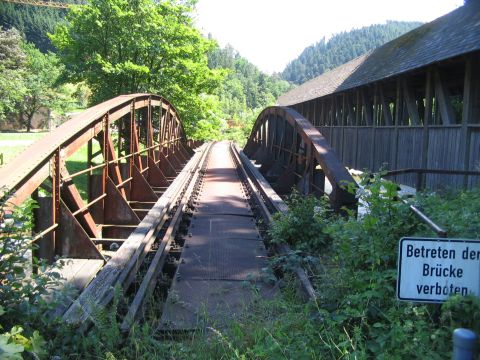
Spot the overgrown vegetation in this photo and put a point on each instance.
(356, 273)
(244, 92)
(25, 288)
(29, 81)
(351, 260)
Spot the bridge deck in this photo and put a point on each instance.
(223, 254)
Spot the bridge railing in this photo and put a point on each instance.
(133, 145)
(293, 153)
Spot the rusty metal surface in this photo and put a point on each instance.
(218, 258)
(289, 147)
(26, 164)
(223, 254)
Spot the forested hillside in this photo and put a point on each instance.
(233, 106)
(342, 47)
(245, 90)
(33, 21)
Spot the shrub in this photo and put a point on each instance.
(25, 284)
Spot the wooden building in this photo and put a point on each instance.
(413, 103)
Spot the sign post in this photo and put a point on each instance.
(430, 270)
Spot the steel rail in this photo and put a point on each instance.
(266, 198)
(429, 222)
(122, 268)
(150, 279)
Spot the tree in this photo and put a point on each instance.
(341, 48)
(34, 22)
(120, 46)
(246, 90)
(43, 71)
(12, 70)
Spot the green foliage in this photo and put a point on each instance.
(29, 81)
(461, 312)
(341, 48)
(303, 225)
(119, 46)
(12, 70)
(33, 21)
(356, 280)
(43, 71)
(456, 211)
(14, 343)
(122, 47)
(24, 293)
(244, 92)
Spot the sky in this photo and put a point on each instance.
(271, 33)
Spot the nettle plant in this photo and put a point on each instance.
(26, 285)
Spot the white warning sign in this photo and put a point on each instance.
(430, 270)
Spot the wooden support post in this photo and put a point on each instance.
(397, 121)
(427, 119)
(411, 102)
(373, 130)
(387, 115)
(367, 108)
(442, 97)
(471, 76)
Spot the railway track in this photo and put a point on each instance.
(156, 271)
(149, 193)
(153, 267)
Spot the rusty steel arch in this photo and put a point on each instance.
(293, 153)
(136, 145)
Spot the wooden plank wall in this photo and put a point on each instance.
(427, 119)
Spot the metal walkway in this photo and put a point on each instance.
(220, 266)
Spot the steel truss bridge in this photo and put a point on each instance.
(149, 203)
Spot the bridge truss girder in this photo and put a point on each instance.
(135, 147)
(292, 153)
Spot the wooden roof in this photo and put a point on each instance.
(451, 35)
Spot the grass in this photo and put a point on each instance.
(78, 162)
(74, 163)
(9, 150)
